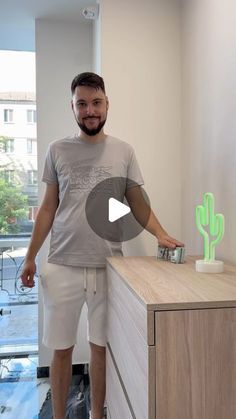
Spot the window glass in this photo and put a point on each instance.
(18, 144)
(18, 200)
(9, 145)
(32, 177)
(31, 116)
(8, 115)
(9, 176)
(29, 146)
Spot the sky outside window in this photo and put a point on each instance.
(17, 71)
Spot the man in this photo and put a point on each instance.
(75, 272)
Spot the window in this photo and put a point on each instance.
(9, 145)
(31, 116)
(19, 200)
(32, 213)
(8, 115)
(32, 177)
(9, 176)
(29, 146)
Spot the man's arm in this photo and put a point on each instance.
(145, 216)
(42, 226)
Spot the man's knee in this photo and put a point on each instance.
(97, 350)
(63, 353)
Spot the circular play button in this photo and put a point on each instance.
(117, 209)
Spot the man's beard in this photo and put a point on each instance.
(92, 131)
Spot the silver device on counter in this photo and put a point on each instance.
(173, 255)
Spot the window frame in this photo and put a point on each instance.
(29, 149)
(8, 116)
(32, 177)
(10, 146)
(31, 116)
(9, 176)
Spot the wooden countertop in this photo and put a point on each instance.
(162, 285)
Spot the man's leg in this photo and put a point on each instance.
(97, 372)
(60, 376)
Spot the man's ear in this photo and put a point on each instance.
(107, 103)
(71, 102)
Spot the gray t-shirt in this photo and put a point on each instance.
(77, 167)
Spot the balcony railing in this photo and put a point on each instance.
(18, 328)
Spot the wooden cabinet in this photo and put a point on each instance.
(171, 351)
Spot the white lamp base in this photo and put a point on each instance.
(213, 267)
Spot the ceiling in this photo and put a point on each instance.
(17, 19)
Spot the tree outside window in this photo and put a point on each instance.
(10, 145)
(13, 207)
(9, 176)
(7, 145)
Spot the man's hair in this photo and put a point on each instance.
(88, 79)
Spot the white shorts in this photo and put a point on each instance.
(65, 290)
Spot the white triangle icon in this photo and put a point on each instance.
(116, 210)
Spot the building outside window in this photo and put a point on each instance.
(32, 177)
(9, 176)
(29, 146)
(31, 116)
(9, 145)
(18, 150)
(8, 115)
(32, 213)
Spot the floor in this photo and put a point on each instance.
(21, 393)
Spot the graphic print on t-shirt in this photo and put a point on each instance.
(85, 178)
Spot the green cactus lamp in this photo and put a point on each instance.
(211, 227)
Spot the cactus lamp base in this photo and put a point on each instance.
(213, 267)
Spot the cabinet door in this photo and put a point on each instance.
(117, 403)
(196, 364)
(127, 336)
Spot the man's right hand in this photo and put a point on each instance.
(27, 275)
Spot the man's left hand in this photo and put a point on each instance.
(166, 241)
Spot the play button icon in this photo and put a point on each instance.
(111, 216)
(117, 210)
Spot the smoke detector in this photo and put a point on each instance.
(91, 12)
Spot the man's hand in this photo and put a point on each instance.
(28, 273)
(145, 216)
(166, 241)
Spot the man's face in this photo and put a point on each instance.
(90, 109)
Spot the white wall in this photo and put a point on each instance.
(97, 41)
(62, 51)
(209, 123)
(140, 62)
